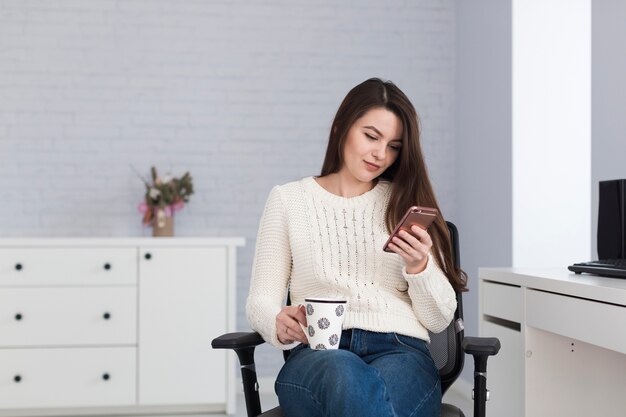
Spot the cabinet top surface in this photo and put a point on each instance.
(121, 241)
(560, 280)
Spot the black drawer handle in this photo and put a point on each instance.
(106, 315)
(107, 266)
(148, 256)
(17, 378)
(106, 376)
(18, 316)
(18, 266)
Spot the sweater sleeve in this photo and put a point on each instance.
(271, 270)
(432, 296)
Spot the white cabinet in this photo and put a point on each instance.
(182, 306)
(116, 326)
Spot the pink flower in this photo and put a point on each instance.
(143, 207)
(178, 206)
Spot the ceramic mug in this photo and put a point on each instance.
(324, 317)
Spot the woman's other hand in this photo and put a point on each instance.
(287, 328)
(413, 248)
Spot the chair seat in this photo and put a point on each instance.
(274, 412)
(448, 410)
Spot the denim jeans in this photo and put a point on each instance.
(371, 374)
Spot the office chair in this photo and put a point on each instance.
(447, 348)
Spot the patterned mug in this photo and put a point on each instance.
(324, 318)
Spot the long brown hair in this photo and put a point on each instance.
(410, 184)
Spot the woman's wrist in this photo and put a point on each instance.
(418, 269)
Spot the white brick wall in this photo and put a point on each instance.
(240, 93)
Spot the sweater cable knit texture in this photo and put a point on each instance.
(322, 245)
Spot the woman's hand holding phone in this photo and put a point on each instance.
(411, 240)
(413, 248)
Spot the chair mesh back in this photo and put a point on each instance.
(445, 347)
(446, 350)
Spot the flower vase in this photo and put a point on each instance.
(163, 225)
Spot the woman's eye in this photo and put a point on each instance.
(370, 137)
(395, 147)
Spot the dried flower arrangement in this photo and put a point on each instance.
(164, 196)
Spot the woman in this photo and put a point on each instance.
(323, 237)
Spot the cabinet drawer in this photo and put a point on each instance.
(67, 316)
(35, 378)
(502, 301)
(67, 266)
(589, 321)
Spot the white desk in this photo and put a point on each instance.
(563, 342)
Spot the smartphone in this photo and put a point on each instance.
(416, 215)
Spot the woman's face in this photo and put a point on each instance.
(372, 145)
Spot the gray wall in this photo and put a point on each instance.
(484, 143)
(241, 94)
(608, 99)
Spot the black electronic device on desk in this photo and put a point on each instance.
(611, 233)
(614, 268)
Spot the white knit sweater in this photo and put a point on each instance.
(322, 245)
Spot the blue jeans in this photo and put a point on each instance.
(371, 374)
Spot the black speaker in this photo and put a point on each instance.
(612, 220)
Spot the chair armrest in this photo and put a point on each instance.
(244, 343)
(480, 348)
(238, 340)
(481, 345)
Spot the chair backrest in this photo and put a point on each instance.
(446, 347)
